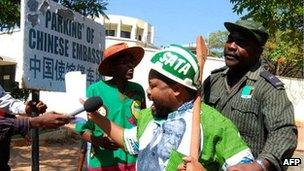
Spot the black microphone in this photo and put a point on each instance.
(90, 105)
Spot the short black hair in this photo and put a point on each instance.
(162, 77)
(169, 82)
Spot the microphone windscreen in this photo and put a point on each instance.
(92, 104)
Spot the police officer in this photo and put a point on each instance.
(252, 98)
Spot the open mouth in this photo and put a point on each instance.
(153, 108)
(229, 56)
(130, 71)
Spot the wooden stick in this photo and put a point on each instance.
(201, 55)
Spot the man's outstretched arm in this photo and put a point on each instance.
(12, 126)
(111, 129)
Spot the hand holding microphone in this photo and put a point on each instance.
(90, 105)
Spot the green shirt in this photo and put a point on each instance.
(222, 145)
(123, 110)
(260, 108)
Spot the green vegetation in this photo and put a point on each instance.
(10, 10)
(284, 21)
(216, 42)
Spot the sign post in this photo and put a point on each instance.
(35, 134)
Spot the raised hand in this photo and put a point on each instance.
(49, 120)
(190, 164)
(104, 142)
(39, 106)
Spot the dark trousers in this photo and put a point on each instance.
(5, 154)
(82, 155)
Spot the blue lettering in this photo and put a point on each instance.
(66, 42)
(54, 23)
(39, 40)
(47, 18)
(60, 70)
(32, 35)
(48, 68)
(35, 65)
(56, 45)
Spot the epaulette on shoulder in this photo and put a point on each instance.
(273, 80)
(218, 70)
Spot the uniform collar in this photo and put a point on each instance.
(252, 74)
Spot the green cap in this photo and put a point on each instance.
(178, 64)
(249, 27)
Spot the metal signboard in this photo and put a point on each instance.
(57, 40)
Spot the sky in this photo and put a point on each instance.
(177, 21)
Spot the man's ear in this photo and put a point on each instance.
(177, 89)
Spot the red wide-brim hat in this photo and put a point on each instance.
(115, 51)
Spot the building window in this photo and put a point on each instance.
(110, 32)
(125, 34)
(149, 37)
(7, 76)
(139, 33)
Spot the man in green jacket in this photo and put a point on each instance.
(252, 98)
(163, 132)
(122, 101)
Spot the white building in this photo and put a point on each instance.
(132, 30)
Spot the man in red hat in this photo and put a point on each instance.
(122, 100)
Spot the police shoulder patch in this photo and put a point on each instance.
(273, 80)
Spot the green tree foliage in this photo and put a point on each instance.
(91, 8)
(10, 10)
(9, 13)
(216, 42)
(284, 57)
(284, 21)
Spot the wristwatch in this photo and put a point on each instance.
(261, 164)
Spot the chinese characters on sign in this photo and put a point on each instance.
(55, 70)
(56, 43)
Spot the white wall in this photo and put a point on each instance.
(10, 48)
(10, 44)
(211, 64)
(142, 70)
(295, 91)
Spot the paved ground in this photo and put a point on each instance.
(59, 155)
(62, 155)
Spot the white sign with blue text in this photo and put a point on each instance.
(57, 40)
